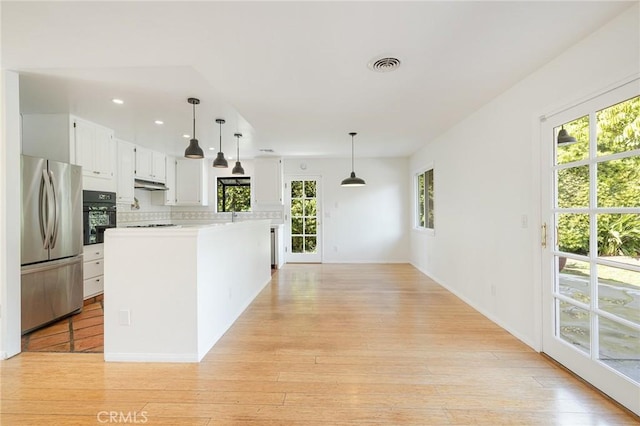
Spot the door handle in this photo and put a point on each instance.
(42, 216)
(544, 235)
(56, 211)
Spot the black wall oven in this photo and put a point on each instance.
(98, 215)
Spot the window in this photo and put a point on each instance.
(424, 200)
(234, 194)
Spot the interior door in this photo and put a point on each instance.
(591, 242)
(303, 219)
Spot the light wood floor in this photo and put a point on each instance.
(321, 345)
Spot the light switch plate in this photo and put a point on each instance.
(124, 317)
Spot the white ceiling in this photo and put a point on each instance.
(290, 76)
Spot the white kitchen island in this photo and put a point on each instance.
(171, 292)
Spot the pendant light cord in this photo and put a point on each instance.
(220, 123)
(194, 121)
(352, 171)
(238, 147)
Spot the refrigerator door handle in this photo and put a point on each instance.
(56, 211)
(45, 221)
(50, 197)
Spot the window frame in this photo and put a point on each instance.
(246, 185)
(428, 201)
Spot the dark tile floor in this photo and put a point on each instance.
(82, 332)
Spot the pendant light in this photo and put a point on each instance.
(220, 161)
(352, 180)
(565, 138)
(238, 170)
(194, 150)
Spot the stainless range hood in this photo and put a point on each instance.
(149, 186)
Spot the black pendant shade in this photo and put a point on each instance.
(220, 162)
(565, 138)
(238, 170)
(194, 150)
(353, 180)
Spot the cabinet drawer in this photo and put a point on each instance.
(93, 268)
(93, 286)
(93, 252)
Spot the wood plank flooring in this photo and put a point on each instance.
(321, 345)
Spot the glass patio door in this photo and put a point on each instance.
(302, 219)
(591, 242)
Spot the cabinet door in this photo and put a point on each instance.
(102, 152)
(191, 183)
(126, 168)
(85, 136)
(267, 185)
(159, 167)
(170, 194)
(144, 163)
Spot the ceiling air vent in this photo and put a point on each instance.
(266, 150)
(384, 64)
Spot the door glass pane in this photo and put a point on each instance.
(309, 244)
(297, 244)
(573, 279)
(619, 237)
(619, 183)
(619, 292)
(573, 187)
(310, 189)
(620, 347)
(310, 207)
(573, 233)
(310, 226)
(296, 189)
(574, 325)
(296, 207)
(296, 225)
(619, 127)
(578, 150)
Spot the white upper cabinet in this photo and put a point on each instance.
(191, 182)
(70, 139)
(168, 197)
(267, 184)
(94, 148)
(125, 175)
(150, 165)
(159, 166)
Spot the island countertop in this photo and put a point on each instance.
(171, 292)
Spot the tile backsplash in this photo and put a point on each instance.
(125, 218)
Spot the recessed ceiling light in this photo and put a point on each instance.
(186, 136)
(117, 101)
(211, 148)
(158, 122)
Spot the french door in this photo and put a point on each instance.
(591, 241)
(303, 219)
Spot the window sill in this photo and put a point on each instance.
(427, 231)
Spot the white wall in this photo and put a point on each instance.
(361, 224)
(9, 215)
(487, 180)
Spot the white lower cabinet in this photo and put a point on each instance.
(93, 270)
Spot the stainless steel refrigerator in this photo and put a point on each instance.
(51, 244)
